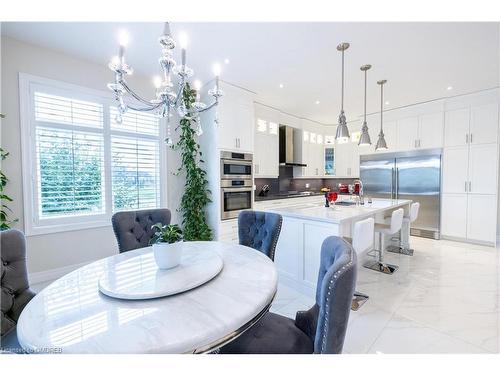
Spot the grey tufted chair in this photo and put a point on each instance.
(259, 230)
(322, 328)
(133, 228)
(15, 287)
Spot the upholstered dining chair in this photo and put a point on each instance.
(133, 228)
(16, 291)
(322, 328)
(259, 230)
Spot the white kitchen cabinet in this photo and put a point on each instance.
(483, 169)
(407, 133)
(456, 127)
(481, 219)
(430, 130)
(484, 124)
(470, 168)
(235, 130)
(420, 132)
(454, 215)
(471, 125)
(454, 165)
(309, 150)
(266, 150)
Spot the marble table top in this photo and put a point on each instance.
(73, 316)
(339, 214)
(140, 278)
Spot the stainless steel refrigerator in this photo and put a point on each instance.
(414, 175)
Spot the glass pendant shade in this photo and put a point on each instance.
(364, 139)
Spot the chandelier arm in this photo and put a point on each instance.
(210, 106)
(135, 96)
(145, 109)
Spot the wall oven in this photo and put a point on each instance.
(236, 184)
(236, 165)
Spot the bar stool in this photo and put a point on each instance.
(404, 246)
(388, 230)
(362, 241)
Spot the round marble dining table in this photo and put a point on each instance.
(71, 315)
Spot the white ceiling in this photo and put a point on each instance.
(419, 60)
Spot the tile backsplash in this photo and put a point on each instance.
(286, 182)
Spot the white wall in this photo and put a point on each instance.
(51, 251)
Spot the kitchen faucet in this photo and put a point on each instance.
(361, 193)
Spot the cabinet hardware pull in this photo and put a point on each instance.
(470, 186)
(466, 138)
(470, 137)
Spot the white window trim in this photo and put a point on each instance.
(31, 227)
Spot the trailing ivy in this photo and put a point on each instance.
(5, 222)
(196, 193)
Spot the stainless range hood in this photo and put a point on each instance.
(288, 138)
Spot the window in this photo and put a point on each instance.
(79, 164)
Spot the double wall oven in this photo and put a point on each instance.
(236, 170)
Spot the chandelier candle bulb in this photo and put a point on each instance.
(166, 29)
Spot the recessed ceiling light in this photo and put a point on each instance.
(317, 102)
(387, 103)
(281, 85)
(226, 61)
(449, 88)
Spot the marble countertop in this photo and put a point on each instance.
(339, 214)
(72, 316)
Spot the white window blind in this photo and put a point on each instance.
(83, 165)
(135, 173)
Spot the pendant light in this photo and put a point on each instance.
(381, 144)
(342, 135)
(365, 140)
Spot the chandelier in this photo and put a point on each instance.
(169, 91)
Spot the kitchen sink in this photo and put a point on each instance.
(345, 203)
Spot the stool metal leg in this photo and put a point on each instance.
(403, 249)
(358, 300)
(380, 265)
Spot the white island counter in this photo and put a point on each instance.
(306, 225)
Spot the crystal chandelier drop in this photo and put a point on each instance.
(169, 91)
(342, 135)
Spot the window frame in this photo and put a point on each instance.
(33, 225)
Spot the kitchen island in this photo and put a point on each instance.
(306, 225)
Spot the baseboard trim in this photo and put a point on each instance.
(465, 240)
(52, 274)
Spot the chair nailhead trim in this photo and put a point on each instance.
(335, 276)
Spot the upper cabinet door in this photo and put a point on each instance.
(407, 134)
(455, 170)
(484, 124)
(244, 126)
(456, 127)
(430, 131)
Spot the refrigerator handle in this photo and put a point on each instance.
(392, 183)
(397, 183)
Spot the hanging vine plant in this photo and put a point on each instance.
(196, 193)
(5, 222)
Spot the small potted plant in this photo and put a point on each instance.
(167, 246)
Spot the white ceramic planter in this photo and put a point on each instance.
(167, 255)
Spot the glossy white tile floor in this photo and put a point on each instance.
(444, 299)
